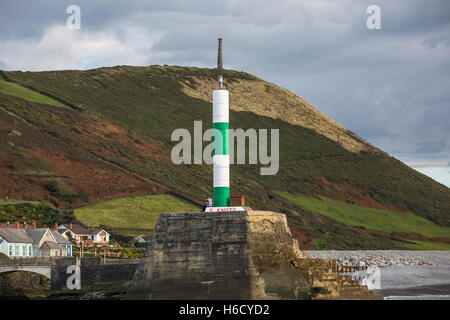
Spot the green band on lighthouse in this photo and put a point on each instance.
(221, 143)
(221, 196)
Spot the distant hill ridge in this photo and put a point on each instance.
(269, 100)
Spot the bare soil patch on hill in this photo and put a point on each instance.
(346, 192)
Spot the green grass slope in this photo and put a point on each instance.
(376, 219)
(131, 215)
(423, 245)
(27, 94)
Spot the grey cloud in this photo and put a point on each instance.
(430, 146)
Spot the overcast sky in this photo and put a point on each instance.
(391, 86)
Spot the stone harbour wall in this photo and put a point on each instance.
(232, 255)
(93, 271)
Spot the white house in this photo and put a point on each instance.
(16, 243)
(21, 243)
(82, 234)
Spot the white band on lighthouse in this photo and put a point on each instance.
(221, 165)
(220, 106)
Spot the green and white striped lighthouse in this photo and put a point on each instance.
(221, 155)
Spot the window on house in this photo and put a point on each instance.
(29, 251)
(17, 251)
(24, 251)
(10, 251)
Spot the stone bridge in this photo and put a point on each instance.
(43, 270)
(92, 270)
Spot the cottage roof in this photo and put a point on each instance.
(145, 238)
(15, 236)
(51, 245)
(59, 238)
(62, 231)
(96, 231)
(80, 230)
(36, 234)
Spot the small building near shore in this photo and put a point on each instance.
(143, 239)
(83, 235)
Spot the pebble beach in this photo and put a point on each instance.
(385, 258)
(404, 274)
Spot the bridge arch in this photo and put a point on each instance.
(42, 270)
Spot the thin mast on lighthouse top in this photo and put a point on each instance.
(219, 55)
(221, 156)
(220, 63)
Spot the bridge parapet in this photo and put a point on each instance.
(47, 261)
(44, 270)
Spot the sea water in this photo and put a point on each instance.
(423, 297)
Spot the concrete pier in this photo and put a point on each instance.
(234, 255)
(215, 256)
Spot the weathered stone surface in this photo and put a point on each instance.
(93, 271)
(214, 256)
(232, 255)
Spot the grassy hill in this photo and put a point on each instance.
(370, 218)
(131, 215)
(14, 89)
(117, 128)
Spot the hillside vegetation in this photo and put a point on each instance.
(369, 218)
(131, 215)
(115, 141)
(42, 213)
(27, 94)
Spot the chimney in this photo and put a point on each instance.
(34, 225)
(219, 55)
(56, 227)
(70, 226)
(17, 225)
